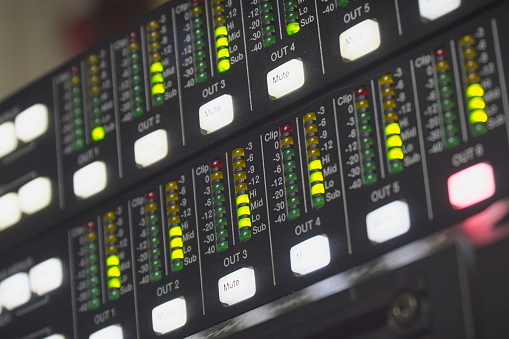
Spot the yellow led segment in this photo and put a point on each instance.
(317, 189)
(175, 232)
(113, 260)
(177, 254)
(114, 283)
(176, 242)
(246, 222)
(113, 272)
(395, 153)
(315, 165)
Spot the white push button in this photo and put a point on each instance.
(151, 148)
(237, 286)
(388, 221)
(286, 78)
(46, 276)
(110, 332)
(359, 40)
(8, 140)
(35, 195)
(15, 291)
(310, 255)
(10, 212)
(90, 180)
(434, 9)
(471, 185)
(55, 336)
(32, 123)
(216, 114)
(169, 316)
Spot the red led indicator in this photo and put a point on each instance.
(133, 35)
(471, 185)
(361, 92)
(216, 163)
(286, 129)
(90, 225)
(151, 196)
(440, 53)
(74, 70)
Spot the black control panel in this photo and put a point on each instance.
(219, 156)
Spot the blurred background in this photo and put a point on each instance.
(37, 36)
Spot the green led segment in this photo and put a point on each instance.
(199, 44)
(174, 226)
(77, 137)
(342, 3)
(153, 227)
(314, 161)
(242, 194)
(267, 19)
(292, 17)
(446, 95)
(113, 272)
(136, 77)
(474, 92)
(219, 204)
(369, 170)
(391, 121)
(221, 36)
(156, 66)
(289, 166)
(92, 266)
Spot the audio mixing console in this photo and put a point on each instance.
(262, 168)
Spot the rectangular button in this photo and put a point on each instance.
(31, 123)
(169, 316)
(310, 255)
(10, 212)
(35, 195)
(471, 185)
(216, 114)
(90, 180)
(286, 78)
(237, 286)
(434, 9)
(151, 148)
(359, 40)
(110, 332)
(8, 139)
(388, 221)
(46, 276)
(15, 291)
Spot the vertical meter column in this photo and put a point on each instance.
(200, 47)
(165, 246)
(219, 204)
(100, 98)
(221, 35)
(315, 165)
(480, 81)
(69, 90)
(288, 159)
(242, 195)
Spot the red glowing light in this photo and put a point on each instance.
(471, 185)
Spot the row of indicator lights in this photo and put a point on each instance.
(292, 17)
(314, 161)
(92, 266)
(175, 226)
(475, 91)
(446, 94)
(78, 133)
(153, 238)
(136, 77)
(95, 90)
(221, 36)
(242, 194)
(219, 204)
(290, 171)
(156, 64)
(365, 135)
(198, 29)
(112, 259)
(31, 198)
(28, 125)
(267, 19)
(393, 139)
